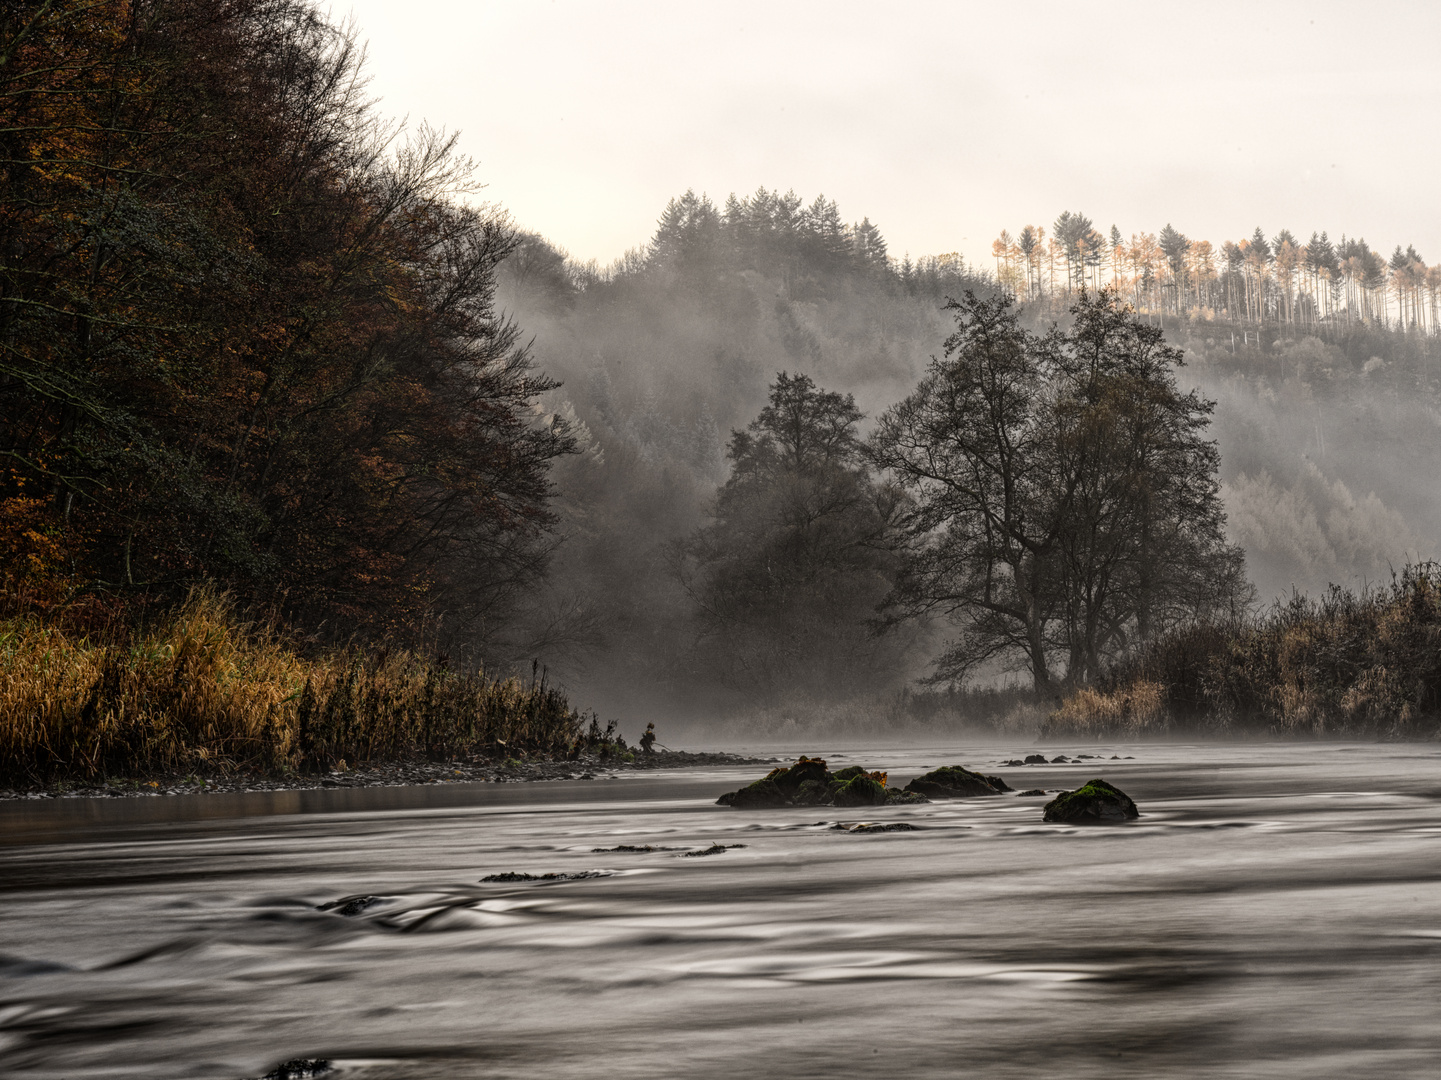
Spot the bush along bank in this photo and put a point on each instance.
(201, 692)
(1355, 665)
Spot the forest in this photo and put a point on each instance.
(1307, 284)
(259, 341)
(1324, 431)
(249, 331)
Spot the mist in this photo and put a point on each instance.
(1328, 473)
(1329, 461)
(662, 356)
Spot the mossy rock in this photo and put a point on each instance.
(808, 783)
(1096, 803)
(764, 794)
(899, 797)
(860, 791)
(812, 793)
(806, 770)
(952, 782)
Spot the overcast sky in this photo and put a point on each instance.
(942, 122)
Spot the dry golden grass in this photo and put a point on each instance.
(1134, 710)
(1345, 664)
(204, 692)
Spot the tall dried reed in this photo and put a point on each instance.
(203, 691)
(1364, 664)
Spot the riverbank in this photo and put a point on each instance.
(199, 691)
(411, 773)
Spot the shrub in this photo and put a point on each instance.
(1358, 664)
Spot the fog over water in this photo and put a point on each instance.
(1273, 912)
(666, 302)
(728, 242)
(1329, 461)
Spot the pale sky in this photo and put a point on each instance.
(941, 122)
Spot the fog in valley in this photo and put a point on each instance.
(571, 539)
(1325, 422)
(1329, 461)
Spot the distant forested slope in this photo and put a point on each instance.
(1330, 453)
(253, 337)
(1325, 362)
(1326, 415)
(664, 354)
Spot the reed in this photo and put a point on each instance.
(1347, 664)
(203, 691)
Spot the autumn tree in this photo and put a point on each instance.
(249, 328)
(1175, 247)
(1082, 246)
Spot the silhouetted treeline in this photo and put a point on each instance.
(1325, 362)
(247, 331)
(250, 333)
(672, 346)
(821, 565)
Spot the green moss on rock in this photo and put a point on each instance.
(812, 793)
(806, 770)
(953, 782)
(861, 790)
(763, 794)
(1096, 802)
(901, 797)
(808, 783)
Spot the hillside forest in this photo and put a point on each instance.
(1324, 423)
(256, 337)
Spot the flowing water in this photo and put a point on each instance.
(1275, 912)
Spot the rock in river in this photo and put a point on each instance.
(809, 783)
(1095, 803)
(956, 782)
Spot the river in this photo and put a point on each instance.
(1273, 913)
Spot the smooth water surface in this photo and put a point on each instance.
(1274, 913)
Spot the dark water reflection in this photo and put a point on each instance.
(1274, 913)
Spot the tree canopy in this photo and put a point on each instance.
(789, 571)
(1065, 502)
(247, 328)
